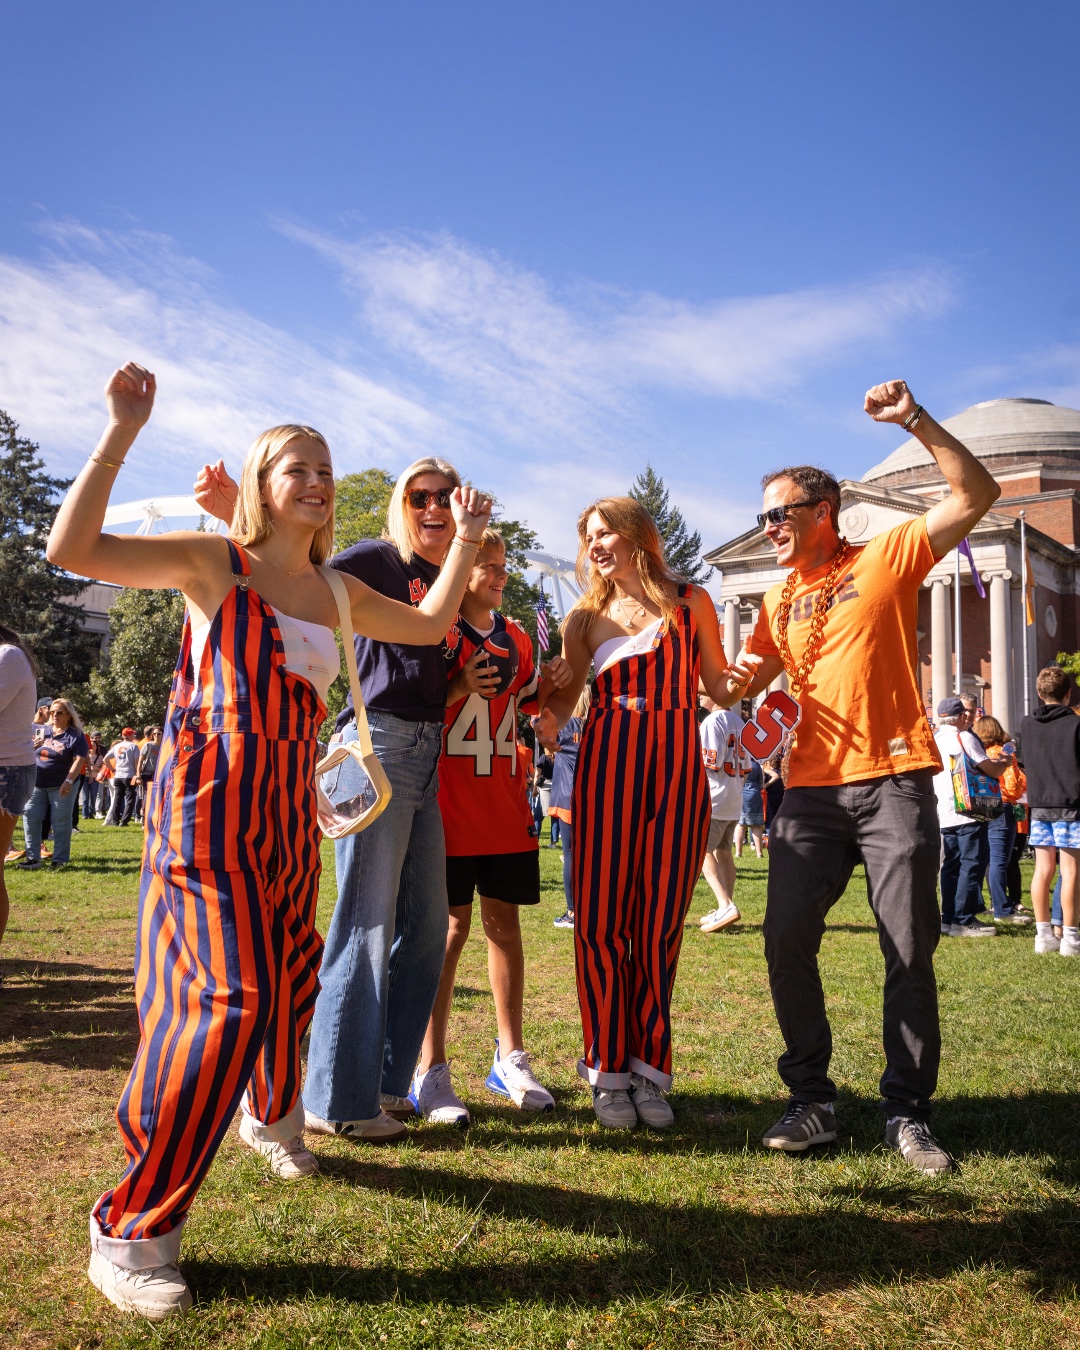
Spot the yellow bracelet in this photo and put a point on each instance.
(109, 463)
(472, 544)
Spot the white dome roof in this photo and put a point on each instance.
(1001, 426)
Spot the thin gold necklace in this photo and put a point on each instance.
(619, 605)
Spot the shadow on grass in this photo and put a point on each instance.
(672, 1249)
(54, 1012)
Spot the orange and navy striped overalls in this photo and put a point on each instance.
(227, 956)
(640, 824)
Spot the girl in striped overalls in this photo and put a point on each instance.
(227, 955)
(640, 814)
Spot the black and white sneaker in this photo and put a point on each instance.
(914, 1142)
(802, 1125)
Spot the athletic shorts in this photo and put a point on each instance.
(1055, 834)
(511, 877)
(721, 833)
(16, 787)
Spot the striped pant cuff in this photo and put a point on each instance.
(280, 1131)
(136, 1253)
(657, 1076)
(599, 1078)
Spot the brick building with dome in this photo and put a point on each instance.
(1032, 448)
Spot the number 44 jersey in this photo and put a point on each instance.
(483, 794)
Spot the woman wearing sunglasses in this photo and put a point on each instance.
(227, 955)
(387, 937)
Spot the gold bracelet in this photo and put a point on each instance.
(109, 463)
(472, 544)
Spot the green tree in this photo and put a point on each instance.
(682, 549)
(36, 597)
(1070, 663)
(132, 688)
(520, 597)
(360, 502)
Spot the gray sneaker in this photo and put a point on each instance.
(801, 1126)
(975, 929)
(649, 1103)
(914, 1142)
(614, 1109)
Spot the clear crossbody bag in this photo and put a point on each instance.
(355, 813)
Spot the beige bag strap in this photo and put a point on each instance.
(344, 609)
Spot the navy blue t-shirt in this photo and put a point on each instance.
(562, 776)
(57, 753)
(409, 682)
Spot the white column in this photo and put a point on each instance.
(732, 635)
(940, 663)
(1001, 650)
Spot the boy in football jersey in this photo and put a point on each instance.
(726, 764)
(491, 843)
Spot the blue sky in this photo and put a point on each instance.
(551, 241)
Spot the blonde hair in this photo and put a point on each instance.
(69, 708)
(397, 522)
(251, 522)
(629, 518)
(491, 538)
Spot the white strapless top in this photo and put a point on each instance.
(616, 648)
(311, 650)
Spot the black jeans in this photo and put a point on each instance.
(123, 801)
(819, 835)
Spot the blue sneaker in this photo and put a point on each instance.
(564, 920)
(512, 1077)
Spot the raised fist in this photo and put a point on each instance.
(471, 510)
(130, 396)
(890, 402)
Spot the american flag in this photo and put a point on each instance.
(542, 634)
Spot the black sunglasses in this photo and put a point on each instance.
(776, 515)
(418, 498)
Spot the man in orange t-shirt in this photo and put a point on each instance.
(860, 782)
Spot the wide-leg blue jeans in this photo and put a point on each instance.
(386, 940)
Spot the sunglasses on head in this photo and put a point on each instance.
(418, 498)
(778, 514)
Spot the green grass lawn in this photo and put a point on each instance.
(548, 1233)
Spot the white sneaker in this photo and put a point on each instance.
(1068, 948)
(155, 1294)
(513, 1077)
(380, 1129)
(401, 1108)
(1046, 942)
(433, 1096)
(721, 917)
(614, 1109)
(289, 1160)
(649, 1103)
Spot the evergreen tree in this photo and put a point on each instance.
(682, 549)
(36, 597)
(132, 689)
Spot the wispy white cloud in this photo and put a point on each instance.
(99, 299)
(547, 394)
(533, 356)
